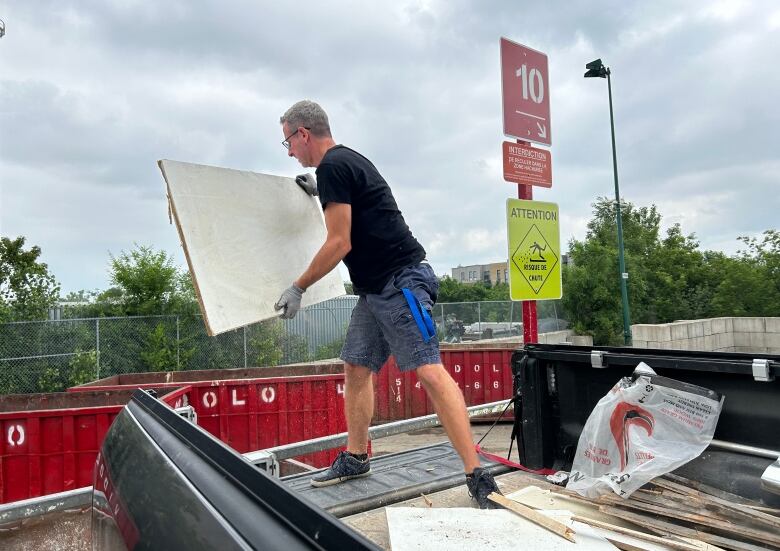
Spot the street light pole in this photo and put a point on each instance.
(597, 69)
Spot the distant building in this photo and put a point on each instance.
(496, 272)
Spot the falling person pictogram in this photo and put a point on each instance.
(538, 249)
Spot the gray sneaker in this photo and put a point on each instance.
(481, 484)
(344, 467)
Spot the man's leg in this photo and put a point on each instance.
(364, 349)
(448, 402)
(358, 405)
(449, 405)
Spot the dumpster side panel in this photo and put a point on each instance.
(254, 414)
(483, 375)
(45, 451)
(50, 451)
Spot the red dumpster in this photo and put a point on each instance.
(293, 370)
(483, 374)
(482, 371)
(50, 441)
(257, 408)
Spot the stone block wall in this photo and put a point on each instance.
(750, 334)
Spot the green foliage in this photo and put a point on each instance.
(163, 353)
(150, 283)
(296, 349)
(27, 289)
(267, 341)
(145, 282)
(451, 290)
(670, 278)
(750, 283)
(270, 344)
(81, 369)
(330, 350)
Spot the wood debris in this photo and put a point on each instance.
(537, 518)
(674, 507)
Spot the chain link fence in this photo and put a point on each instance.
(470, 321)
(49, 356)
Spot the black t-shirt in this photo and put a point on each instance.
(382, 243)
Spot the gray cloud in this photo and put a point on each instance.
(92, 94)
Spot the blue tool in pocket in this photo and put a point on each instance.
(420, 315)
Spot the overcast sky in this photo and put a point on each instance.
(92, 93)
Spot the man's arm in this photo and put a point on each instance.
(338, 222)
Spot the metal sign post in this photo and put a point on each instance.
(525, 96)
(530, 323)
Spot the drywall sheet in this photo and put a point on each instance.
(467, 529)
(247, 237)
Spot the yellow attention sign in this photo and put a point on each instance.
(534, 250)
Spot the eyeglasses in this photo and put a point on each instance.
(286, 142)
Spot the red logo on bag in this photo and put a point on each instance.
(624, 416)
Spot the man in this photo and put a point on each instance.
(366, 230)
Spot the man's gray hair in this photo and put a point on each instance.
(308, 114)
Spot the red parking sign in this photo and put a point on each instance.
(525, 91)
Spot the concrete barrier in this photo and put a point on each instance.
(748, 334)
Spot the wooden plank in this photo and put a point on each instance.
(537, 518)
(670, 501)
(720, 504)
(770, 510)
(704, 520)
(663, 528)
(722, 494)
(635, 534)
(711, 490)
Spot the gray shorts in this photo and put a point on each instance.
(382, 324)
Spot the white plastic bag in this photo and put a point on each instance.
(645, 427)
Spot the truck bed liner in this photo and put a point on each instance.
(395, 477)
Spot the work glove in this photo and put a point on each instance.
(290, 302)
(307, 183)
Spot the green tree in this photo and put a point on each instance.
(27, 289)
(81, 369)
(149, 281)
(267, 341)
(330, 350)
(451, 290)
(750, 281)
(669, 277)
(164, 353)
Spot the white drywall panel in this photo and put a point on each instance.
(247, 236)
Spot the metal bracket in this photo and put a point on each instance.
(264, 460)
(188, 412)
(761, 371)
(597, 359)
